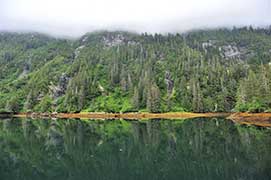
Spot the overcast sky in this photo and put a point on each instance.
(76, 17)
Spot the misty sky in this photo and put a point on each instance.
(76, 17)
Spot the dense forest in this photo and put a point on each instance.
(220, 70)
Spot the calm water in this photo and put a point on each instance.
(141, 150)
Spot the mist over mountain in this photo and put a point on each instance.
(72, 18)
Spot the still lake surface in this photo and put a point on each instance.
(194, 149)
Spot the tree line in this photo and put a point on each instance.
(126, 72)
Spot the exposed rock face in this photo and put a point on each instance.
(59, 90)
(230, 52)
(25, 71)
(40, 96)
(233, 52)
(63, 81)
(133, 43)
(84, 39)
(205, 45)
(227, 51)
(113, 40)
(209, 43)
(77, 51)
(169, 82)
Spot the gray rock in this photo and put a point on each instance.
(113, 40)
(60, 89)
(230, 52)
(169, 82)
(77, 51)
(26, 70)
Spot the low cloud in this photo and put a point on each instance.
(76, 17)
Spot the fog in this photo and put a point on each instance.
(75, 17)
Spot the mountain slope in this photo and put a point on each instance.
(201, 71)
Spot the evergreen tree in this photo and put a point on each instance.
(153, 100)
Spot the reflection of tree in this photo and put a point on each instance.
(72, 149)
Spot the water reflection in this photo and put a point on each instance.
(115, 150)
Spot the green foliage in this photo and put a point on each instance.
(114, 102)
(45, 105)
(122, 72)
(13, 105)
(153, 100)
(254, 92)
(256, 106)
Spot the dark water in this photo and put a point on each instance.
(211, 149)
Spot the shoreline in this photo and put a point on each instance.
(128, 116)
(258, 119)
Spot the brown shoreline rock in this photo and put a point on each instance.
(258, 119)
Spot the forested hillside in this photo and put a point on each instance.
(202, 71)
